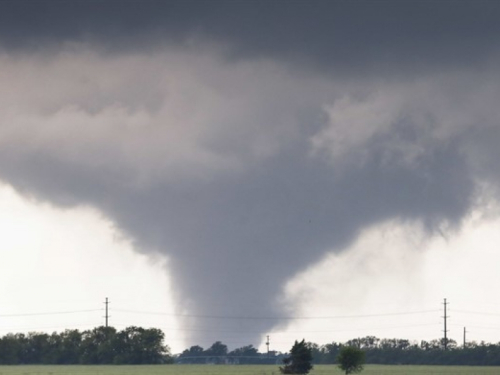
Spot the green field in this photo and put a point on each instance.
(236, 370)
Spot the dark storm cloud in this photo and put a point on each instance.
(242, 170)
(364, 34)
(234, 242)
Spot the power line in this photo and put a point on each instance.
(275, 317)
(49, 313)
(479, 327)
(476, 312)
(4, 329)
(222, 331)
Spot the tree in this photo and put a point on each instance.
(217, 349)
(299, 361)
(69, 351)
(217, 352)
(193, 355)
(351, 359)
(245, 351)
(245, 355)
(97, 346)
(11, 349)
(136, 345)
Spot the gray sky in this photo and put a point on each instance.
(245, 143)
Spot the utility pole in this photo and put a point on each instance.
(267, 344)
(465, 332)
(106, 316)
(445, 330)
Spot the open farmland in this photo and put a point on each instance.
(237, 370)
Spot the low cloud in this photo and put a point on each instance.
(243, 172)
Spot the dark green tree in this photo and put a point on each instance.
(136, 346)
(70, 348)
(300, 359)
(351, 359)
(217, 349)
(331, 351)
(247, 351)
(316, 352)
(195, 354)
(97, 346)
(216, 353)
(12, 349)
(245, 355)
(37, 347)
(101, 345)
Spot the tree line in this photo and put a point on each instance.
(376, 351)
(218, 353)
(401, 351)
(136, 345)
(101, 345)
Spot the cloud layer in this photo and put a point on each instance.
(245, 165)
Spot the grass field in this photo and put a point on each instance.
(237, 370)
